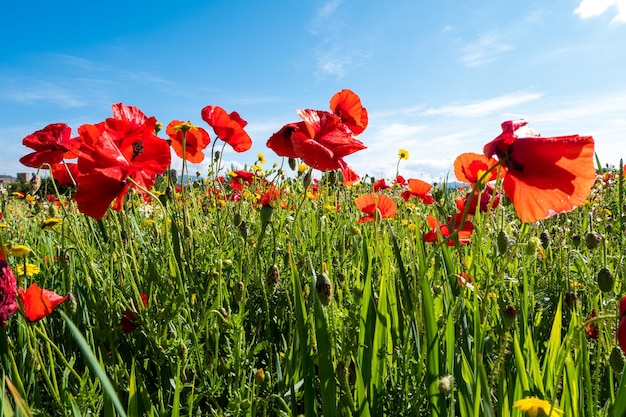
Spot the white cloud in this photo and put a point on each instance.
(42, 91)
(482, 108)
(593, 8)
(484, 50)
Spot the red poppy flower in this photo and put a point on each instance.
(228, 127)
(544, 176)
(381, 185)
(401, 181)
(196, 139)
(8, 289)
(113, 151)
(420, 189)
(347, 105)
(369, 203)
(271, 194)
(621, 331)
(128, 322)
(38, 302)
(592, 327)
(280, 142)
(485, 200)
(454, 224)
(52, 144)
(470, 167)
(241, 178)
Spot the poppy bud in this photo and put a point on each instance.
(35, 183)
(324, 289)
(616, 360)
(545, 239)
(502, 242)
(237, 219)
(292, 164)
(605, 280)
(239, 291)
(271, 278)
(332, 177)
(509, 314)
(592, 240)
(157, 127)
(576, 239)
(266, 214)
(533, 244)
(52, 211)
(306, 181)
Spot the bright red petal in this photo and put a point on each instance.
(347, 105)
(280, 142)
(419, 187)
(468, 167)
(38, 302)
(97, 189)
(368, 203)
(547, 176)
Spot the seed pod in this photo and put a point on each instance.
(605, 280)
(503, 242)
(545, 239)
(592, 240)
(324, 289)
(616, 360)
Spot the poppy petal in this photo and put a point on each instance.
(38, 302)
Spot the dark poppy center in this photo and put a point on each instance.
(137, 149)
(506, 155)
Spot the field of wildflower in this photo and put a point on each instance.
(307, 288)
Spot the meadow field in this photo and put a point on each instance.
(296, 289)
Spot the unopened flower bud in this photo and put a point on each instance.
(266, 214)
(605, 280)
(35, 183)
(576, 239)
(237, 219)
(532, 246)
(239, 291)
(502, 242)
(545, 239)
(271, 278)
(324, 288)
(292, 164)
(616, 360)
(306, 181)
(259, 376)
(592, 240)
(509, 314)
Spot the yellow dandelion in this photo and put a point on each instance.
(30, 199)
(51, 222)
(535, 407)
(261, 158)
(259, 376)
(302, 168)
(256, 168)
(148, 222)
(19, 250)
(31, 270)
(403, 154)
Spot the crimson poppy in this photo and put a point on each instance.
(271, 194)
(544, 176)
(420, 189)
(370, 203)
(485, 200)
(8, 289)
(381, 185)
(38, 302)
(228, 127)
(113, 151)
(241, 178)
(196, 139)
(52, 144)
(592, 327)
(465, 230)
(65, 173)
(347, 105)
(128, 322)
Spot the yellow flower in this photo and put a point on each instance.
(403, 154)
(535, 407)
(50, 222)
(31, 269)
(302, 167)
(256, 168)
(19, 250)
(261, 158)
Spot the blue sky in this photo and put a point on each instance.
(437, 78)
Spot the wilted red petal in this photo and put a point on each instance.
(38, 302)
(347, 105)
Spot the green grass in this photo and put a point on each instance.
(400, 336)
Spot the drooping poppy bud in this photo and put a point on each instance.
(605, 280)
(324, 288)
(592, 240)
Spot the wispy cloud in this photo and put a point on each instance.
(593, 8)
(45, 91)
(484, 50)
(482, 108)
